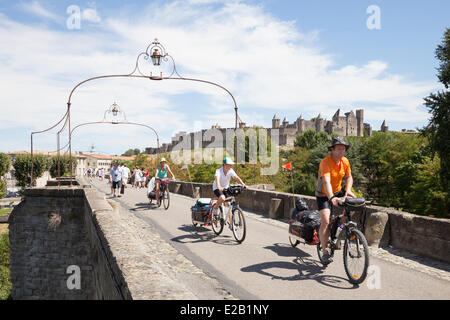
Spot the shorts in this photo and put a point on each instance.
(117, 184)
(219, 193)
(324, 203)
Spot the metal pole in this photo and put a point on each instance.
(31, 183)
(235, 139)
(59, 160)
(70, 146)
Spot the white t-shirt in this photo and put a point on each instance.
(126, 172)
(224, 180)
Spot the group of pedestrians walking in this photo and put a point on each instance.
(140, 177)
(95, 173)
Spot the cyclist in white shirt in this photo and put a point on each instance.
(222, 180)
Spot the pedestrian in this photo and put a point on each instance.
(126, 174)
(116, 178)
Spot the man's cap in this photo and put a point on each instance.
(339, 140)
(163, 159)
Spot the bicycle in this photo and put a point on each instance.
(163, 193)
(355, 245)
(238, 226)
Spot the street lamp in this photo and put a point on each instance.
(156, 57)
(114, 109)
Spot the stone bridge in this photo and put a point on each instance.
(73, 243)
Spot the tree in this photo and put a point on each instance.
(64, 165)
(131, 152)
(5, 163)
(141, 160)
(22, 167)
(311, 139)
(438, 129)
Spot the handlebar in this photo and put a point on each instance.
(234, 189)
(353, 202)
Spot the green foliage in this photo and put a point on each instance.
(64, 165)
(438, 129)
(5, 163)
(2, 188)
(140, 160)
(443, 55)
(22, 167)
(5, 282)
(128, 163)
(131, 152)
(311, 139)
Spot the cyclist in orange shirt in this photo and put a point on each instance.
(332, 170)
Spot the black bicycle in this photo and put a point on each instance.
(237, 216)
(356, 250)
(164, 195)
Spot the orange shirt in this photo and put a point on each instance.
(336, 172)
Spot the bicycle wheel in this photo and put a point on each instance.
(356, 256)
(293, 242)
(238, 227)
(166, 199)
(216, 223)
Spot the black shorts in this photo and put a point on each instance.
(324, 203)
(219, 193)
(117, 184)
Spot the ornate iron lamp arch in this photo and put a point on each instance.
(115, 110)
(137, 73)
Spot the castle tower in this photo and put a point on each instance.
(300, 125)
(360, 122)
(275, 122)
(384, 127)
(350, 124)
(336, 116)
(319, 123)
(285, 122)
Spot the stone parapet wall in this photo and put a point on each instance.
(47, 235)
(53, 229)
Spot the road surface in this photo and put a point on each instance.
(265, 266)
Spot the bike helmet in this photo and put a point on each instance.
(301, 205)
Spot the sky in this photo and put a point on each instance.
(288, 58)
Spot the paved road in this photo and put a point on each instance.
(265, 266)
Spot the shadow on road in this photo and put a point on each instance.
(202, 234)
(307, 267)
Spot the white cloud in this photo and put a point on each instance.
(267, 64)
(36, 8)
